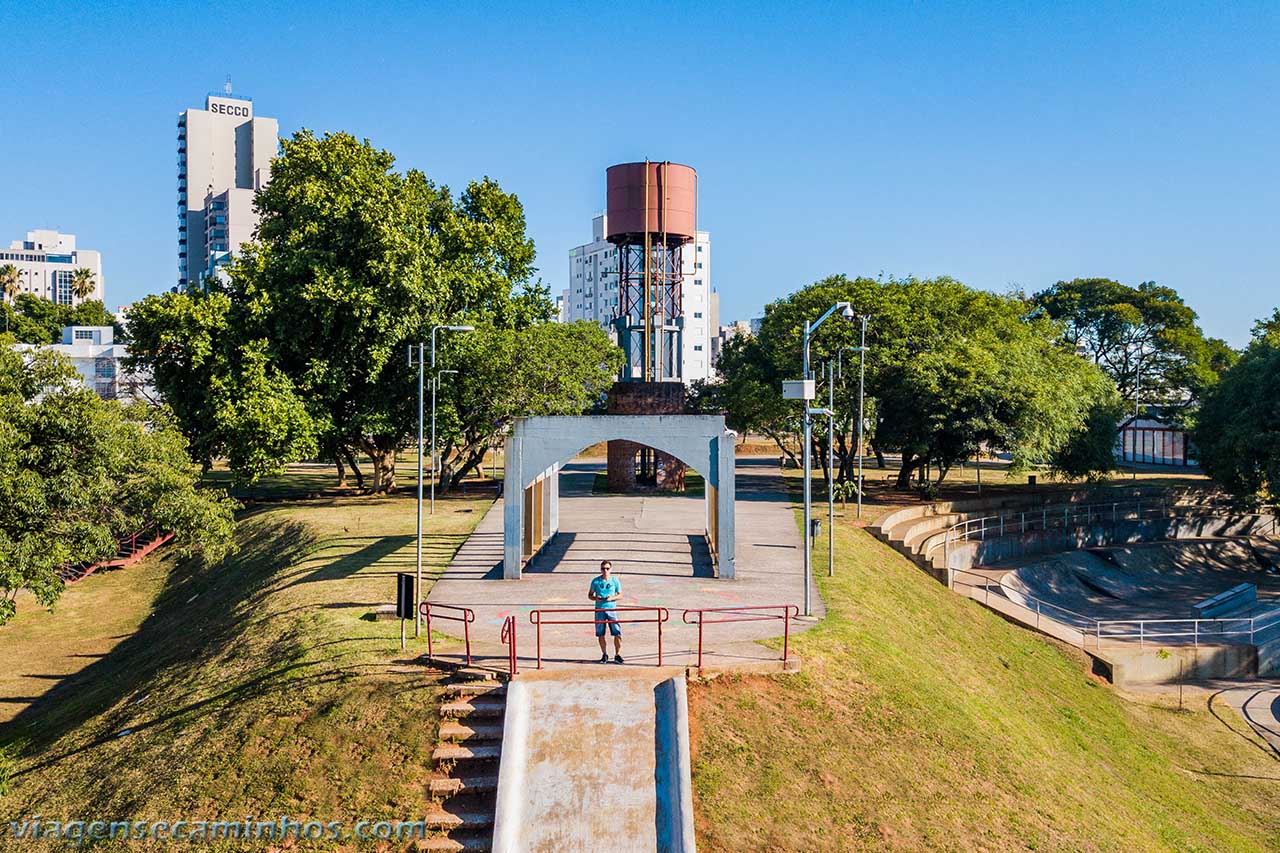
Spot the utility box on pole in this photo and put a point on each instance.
(799, 389)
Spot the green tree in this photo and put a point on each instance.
(1237, 431)
(9, 278)
(1144, 337)
(78, 473)
(181, 338)
(36, 320)
(83, 282)
(950, 370)
(542, 369)
(354, 262)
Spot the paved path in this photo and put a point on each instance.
(1258, 701)
(660, 557)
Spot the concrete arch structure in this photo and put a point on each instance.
(537, 447)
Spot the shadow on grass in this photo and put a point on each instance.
(199, 614)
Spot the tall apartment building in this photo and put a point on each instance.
(224, 157)
(46, 261)
(592, 294)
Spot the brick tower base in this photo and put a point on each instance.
(635, 467)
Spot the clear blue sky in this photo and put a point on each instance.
(1000, 143)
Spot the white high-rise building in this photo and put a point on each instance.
(46, 261)
(224, 157)
(592, 294)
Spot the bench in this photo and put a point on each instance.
(1224, 602)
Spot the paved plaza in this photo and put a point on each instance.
(659, 554)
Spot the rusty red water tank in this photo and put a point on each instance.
(667, 192)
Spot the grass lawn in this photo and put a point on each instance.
(922, 720)
(255, 687)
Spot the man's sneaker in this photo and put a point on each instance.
(617, 658)
(604, 658)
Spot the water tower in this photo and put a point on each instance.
(652, 215)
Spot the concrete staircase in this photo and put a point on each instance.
(464, 787)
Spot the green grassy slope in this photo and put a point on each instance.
(922, 720)
(251, 688)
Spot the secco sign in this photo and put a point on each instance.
(229, 107)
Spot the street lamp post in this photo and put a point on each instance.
(420, 363)
(435, 457)
(831, 469)
(809, 329)
(862, 384)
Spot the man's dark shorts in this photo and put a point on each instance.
(614, 628)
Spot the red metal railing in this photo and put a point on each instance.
(745, 614)
(660, 615)
(509, 637)
(468, 616)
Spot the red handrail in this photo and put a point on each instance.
(753, 614)
(468, 616)
(660, 615)
(509, 637)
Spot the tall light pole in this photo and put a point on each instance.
(420, 362)
(862, 385)
(435, 386)
(809, 329)
(831, 469)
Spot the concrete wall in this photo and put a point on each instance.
(1154, 664)
(1014, 545)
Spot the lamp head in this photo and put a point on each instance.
(461, 328)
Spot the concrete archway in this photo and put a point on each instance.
(537, 447)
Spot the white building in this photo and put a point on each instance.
(46, 261)
(592, 294)
(224, 157)
(736, 329)
(100, 362)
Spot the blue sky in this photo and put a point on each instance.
(1003, 144)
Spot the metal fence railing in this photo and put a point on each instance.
(1067, 515)
(722, 615)
(1096, 632)
(429, 610)
(537, 617)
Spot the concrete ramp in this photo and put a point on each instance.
(595, 759)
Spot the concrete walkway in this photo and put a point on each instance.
(1258, 701)
(660, 557)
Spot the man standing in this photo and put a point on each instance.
(604, 591)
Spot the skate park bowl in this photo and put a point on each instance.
(1155, 593)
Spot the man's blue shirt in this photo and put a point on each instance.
(604, 588)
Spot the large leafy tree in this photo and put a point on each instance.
(1144, 337)
(36, 320)
(353, 262)
(78, 473)
(541, 369)
(950, 370)
(1237, 430)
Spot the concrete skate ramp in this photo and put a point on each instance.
(1157, 581)
(595, 760)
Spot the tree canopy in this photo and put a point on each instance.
(78, 473)
(1237, 430)
(353, 261)
(35, 320)
(950, 370)
(1144, 337)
